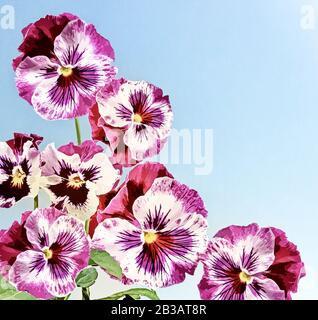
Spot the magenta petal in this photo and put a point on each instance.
(288, 267)
(38, 225)
(138, 182)
(38, 37)
(190, 198)
(237, 233)
(17, 143)
(80, 39)
(12, 243)
(28, 274)
(31, 72)
(86, 150)
(70, 248)
(264, 289)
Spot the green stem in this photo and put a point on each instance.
(87, 225)
(36, 202)
(85, 291)
(78, 131)
(135, 293)
(85, 294)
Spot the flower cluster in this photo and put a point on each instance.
(147, 228)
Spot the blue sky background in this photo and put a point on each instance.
(244, 68)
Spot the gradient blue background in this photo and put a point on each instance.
(244, 68)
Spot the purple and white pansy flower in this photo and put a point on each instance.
(165, 240)
(74, 177)
(19, 169)
(250, 263)
(140, 113)
(56, 250)
(64, 85)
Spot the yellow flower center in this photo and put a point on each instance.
(75, 181)
(48, 253)
(150, 237)
(66, 71)
(137, 118)
(244, 277)
(18, 176)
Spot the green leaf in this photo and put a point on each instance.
(86, 278)
(9, 292)
(105, 261)
(134, 293)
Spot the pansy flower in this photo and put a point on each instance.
(133, 117)
(19, 168)
(250, 263)
(62, 83)
(74, 176)
(166, 242)
(119, 201)
(138, 181)
(44, 254)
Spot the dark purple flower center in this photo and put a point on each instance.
(16, 184)
(143, 114)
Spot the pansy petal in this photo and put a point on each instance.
(55, 160)
(12, 242)
(137, 183)
(33, 71)
(59, 277)
(78, 40)
(264, 289)
(256, 245)
(166, 201)
(100, 171)
(92, 73)
(70, 254)
(38, 225)
(67, 236)
(68, 97)
(221, 272)
(287, 268)
(113, 108)
(143, 141)
(6, 153)
(236, 233)
(86, 150)
(28, 274)
(257, 252)
(38, 37)
(174, 253)
(56, 99)
(81, 202)
(120, 239)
